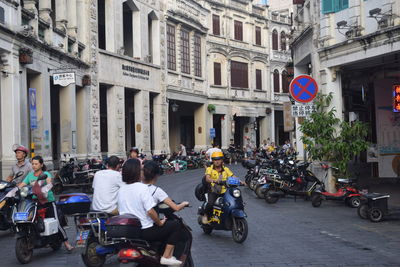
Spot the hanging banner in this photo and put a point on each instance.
(64, 79)
(288, 123)
(32, 108)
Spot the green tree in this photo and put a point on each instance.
(327, 138)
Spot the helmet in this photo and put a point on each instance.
(217, 155)
(22, 148)
(134, 149)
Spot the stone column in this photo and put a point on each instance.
(82, 121)
(201, 131)
(160, 125)
(61, 15)
(114, 25)
(10, 116)
(68, 138)
(116, 120)
(72, 18)
(142, 120)
(272, 121)
(225, 131)
(264, 128)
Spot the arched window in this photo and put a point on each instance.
(285, 82)
(274, 40)
(276, 81)
(283, 41)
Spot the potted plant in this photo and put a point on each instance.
(329, 139)
(25, 55)
(211, 108)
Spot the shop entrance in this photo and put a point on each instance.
(55, 122)
(217, 124)
(130, 139)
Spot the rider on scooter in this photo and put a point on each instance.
(215, 174)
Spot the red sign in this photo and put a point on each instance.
(303, 88)
(396, 98)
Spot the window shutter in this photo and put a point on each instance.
(258, 36)
(341, 4)
(238, 30)
(276, 81)
(239, 74)
(283, 41)
(258, 80)
(171, 53)
(328, 6)
(217, 73)
(285, 82)
(216, 23)
(275, 40)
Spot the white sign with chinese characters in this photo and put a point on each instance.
(302, 110)
(64, 79)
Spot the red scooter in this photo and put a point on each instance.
(347, 192)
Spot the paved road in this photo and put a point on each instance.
(288, 233)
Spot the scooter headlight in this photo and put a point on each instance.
(24, 192)
(236, 193)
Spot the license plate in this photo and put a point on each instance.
(21, 216)
(81, 238)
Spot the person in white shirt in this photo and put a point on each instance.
(182, 151)
(151, 172)
(210, 151)
(134, 198)
(106, 184)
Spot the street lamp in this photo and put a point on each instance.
(174, 107)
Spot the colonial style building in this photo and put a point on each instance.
(91, 78)
(352, 49)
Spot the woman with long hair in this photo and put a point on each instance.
(38, 169)
(134, 198)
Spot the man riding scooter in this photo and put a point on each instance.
(215, 174)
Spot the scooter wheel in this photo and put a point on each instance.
(316, 201)
(259, 191)
(90, 257)
(375, 215)
(207, 230)
(354, 202)
(269, 196)
(23, 250)
(362, 211)
(240, 230)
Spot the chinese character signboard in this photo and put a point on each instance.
(64, 79)
(302, 110)
(396, 98)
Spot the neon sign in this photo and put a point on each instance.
(396, 98)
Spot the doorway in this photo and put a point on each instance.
(55, 123)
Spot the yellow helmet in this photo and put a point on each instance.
(217, 155)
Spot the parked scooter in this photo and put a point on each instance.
(101, 235)
(346, 192)
(33, 229)
(228, 212)
(8, 199)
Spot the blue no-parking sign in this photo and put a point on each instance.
(303, 89)
(32, 108)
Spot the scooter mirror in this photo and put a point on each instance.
(18, 174)
(42, 177)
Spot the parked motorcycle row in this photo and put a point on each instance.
(77, 174)
(174, 163)
(278, 176)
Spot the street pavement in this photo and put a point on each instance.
(288, 233)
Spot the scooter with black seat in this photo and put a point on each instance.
(228, 212)
(8, 199)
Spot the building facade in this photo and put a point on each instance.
(150, 74)
(352, 48)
